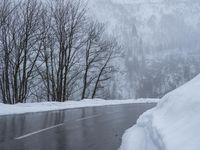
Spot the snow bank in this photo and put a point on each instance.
(173, 124)
(48, 106)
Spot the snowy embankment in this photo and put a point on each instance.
(173, 124)
(48, 106)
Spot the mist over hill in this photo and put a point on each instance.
(160, 42)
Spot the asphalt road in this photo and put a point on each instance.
(94, 128)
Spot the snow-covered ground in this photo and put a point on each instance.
(173, 124)
(48, 106)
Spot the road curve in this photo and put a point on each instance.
(93, 128)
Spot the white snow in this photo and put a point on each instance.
(6, 109)
(173, 124)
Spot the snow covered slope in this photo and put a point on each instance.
(173, 124)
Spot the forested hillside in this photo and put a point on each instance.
(160, 41)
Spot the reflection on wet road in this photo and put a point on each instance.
(94, 128)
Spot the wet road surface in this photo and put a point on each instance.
(93, 128)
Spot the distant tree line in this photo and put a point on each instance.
(53, 51)
(155, 74)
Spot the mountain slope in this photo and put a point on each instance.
(154, 34)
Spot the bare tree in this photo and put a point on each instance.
(61, 60)
(20, 46)
(92, 53)
(105, 68)
(99, 51)
(5, 10)
(55, 47)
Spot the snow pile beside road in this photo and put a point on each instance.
(173, 124)
(48, 106)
